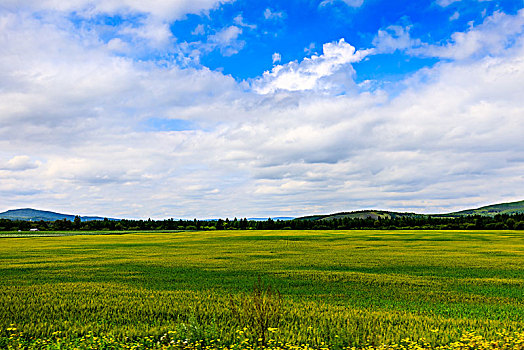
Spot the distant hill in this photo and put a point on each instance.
(490, 210)
(361, 214)
(29, 214)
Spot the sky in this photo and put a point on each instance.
(234, 108)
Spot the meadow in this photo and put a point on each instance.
(227, 289)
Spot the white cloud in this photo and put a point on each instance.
(199, 30)
(351, 3)
(19, 163)
(490, 38)
(445, 3)
(276, 57)
(239, 21)
(329, 71)
(227, 40)
(354, 3)
(151, 30)
(273, 15)
(226, 35)
(166, 10)
(454, 16)
(310, 49)
(394, 38)
(413, 146)
(155, 33)
(117, 45)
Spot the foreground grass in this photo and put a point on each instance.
(467, 341)
(336, 288)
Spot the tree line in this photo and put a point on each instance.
(470, 222)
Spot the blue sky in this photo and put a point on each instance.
(293, 26)
(217, 108)
(297, 29)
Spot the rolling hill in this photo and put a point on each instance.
(361, 214)
(28, 214)
(490, 210)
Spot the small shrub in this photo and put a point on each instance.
(259, 311)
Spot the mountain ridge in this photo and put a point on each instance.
(493, 209)
(488, 210)
(29, 214)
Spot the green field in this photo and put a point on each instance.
(340, 288)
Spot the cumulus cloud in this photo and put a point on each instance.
(60, 89)
(457, 129)
(71, 135)
(276, 57)
(330, 71)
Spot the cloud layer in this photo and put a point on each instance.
(302, 138)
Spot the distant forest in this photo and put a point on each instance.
(469, 222)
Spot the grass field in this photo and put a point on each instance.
(340, 288)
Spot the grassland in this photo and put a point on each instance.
(340, 288)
